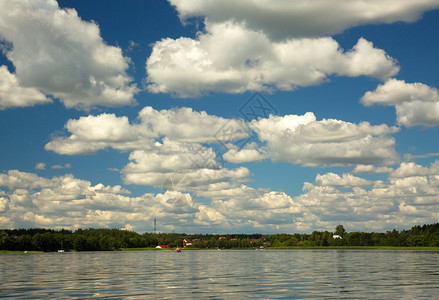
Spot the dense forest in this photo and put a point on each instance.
(114, 239)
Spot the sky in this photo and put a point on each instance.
(217, 116)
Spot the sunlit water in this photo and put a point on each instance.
(236, 274)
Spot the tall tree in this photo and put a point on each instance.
(339, 230)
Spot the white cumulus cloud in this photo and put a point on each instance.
(370, 169)
(408, 169)
(14, 95)
(415, 103)
(306, 141)
(230, 58)
(373, 205)
(281, 19)
(92, 133)
(55, 52)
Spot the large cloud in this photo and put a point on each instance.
(346, 180)
(57, 53)
(370, 169)
(13, 95)
(233, 59)
(409, 169)
(92, 133)
(176, 161)
(370, 205)
(306, 141)
(68, 202)
(415, 103)
(332, 199)
(284, 18)
(408, 197)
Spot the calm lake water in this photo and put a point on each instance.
(235, 274)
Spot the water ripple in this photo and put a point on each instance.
(289, 274)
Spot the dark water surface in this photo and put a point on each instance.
(235, 274)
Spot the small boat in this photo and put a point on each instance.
(178, 249)
(62, 248)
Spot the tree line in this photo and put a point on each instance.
(114, 239)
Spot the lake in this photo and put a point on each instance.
(225, 274)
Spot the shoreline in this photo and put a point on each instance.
(373, 248)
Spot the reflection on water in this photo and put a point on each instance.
(221, 274)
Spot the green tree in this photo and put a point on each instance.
(3, 238)
(80, 243)
(339, 230)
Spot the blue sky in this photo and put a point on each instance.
(114, 113)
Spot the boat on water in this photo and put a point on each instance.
(178, 249)
(61, 250)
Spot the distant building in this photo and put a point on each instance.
(234, 239)
(222, 238)
(187, 242)
(336, 236)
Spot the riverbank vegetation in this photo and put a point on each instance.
(114, 239)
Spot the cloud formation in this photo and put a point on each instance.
(14, 95)
(230, 58)
(40, 166)
(68, 202)
(304, 140)
(370, 169)
(286, 19)
(407, 197)
(294, 139)
(56, 53)
(409, 169)
(174, 160)
(371, 205)
(27, 200)
(416, 104)
(92, 133)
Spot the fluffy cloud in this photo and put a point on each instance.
(174, 137)
(69, 202)
(231, 58)
(185, 125)
(371, 169)
(27, 200)
(415, 103)
(13, 95)
(65, 201)
(92, 133)
(408, 169)
(248, 153)
(284, 19)
(346, 180)
(306, 141)
(55, 52)
(40, 166)
(382, 205)
(269, 210)
(187, 166)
